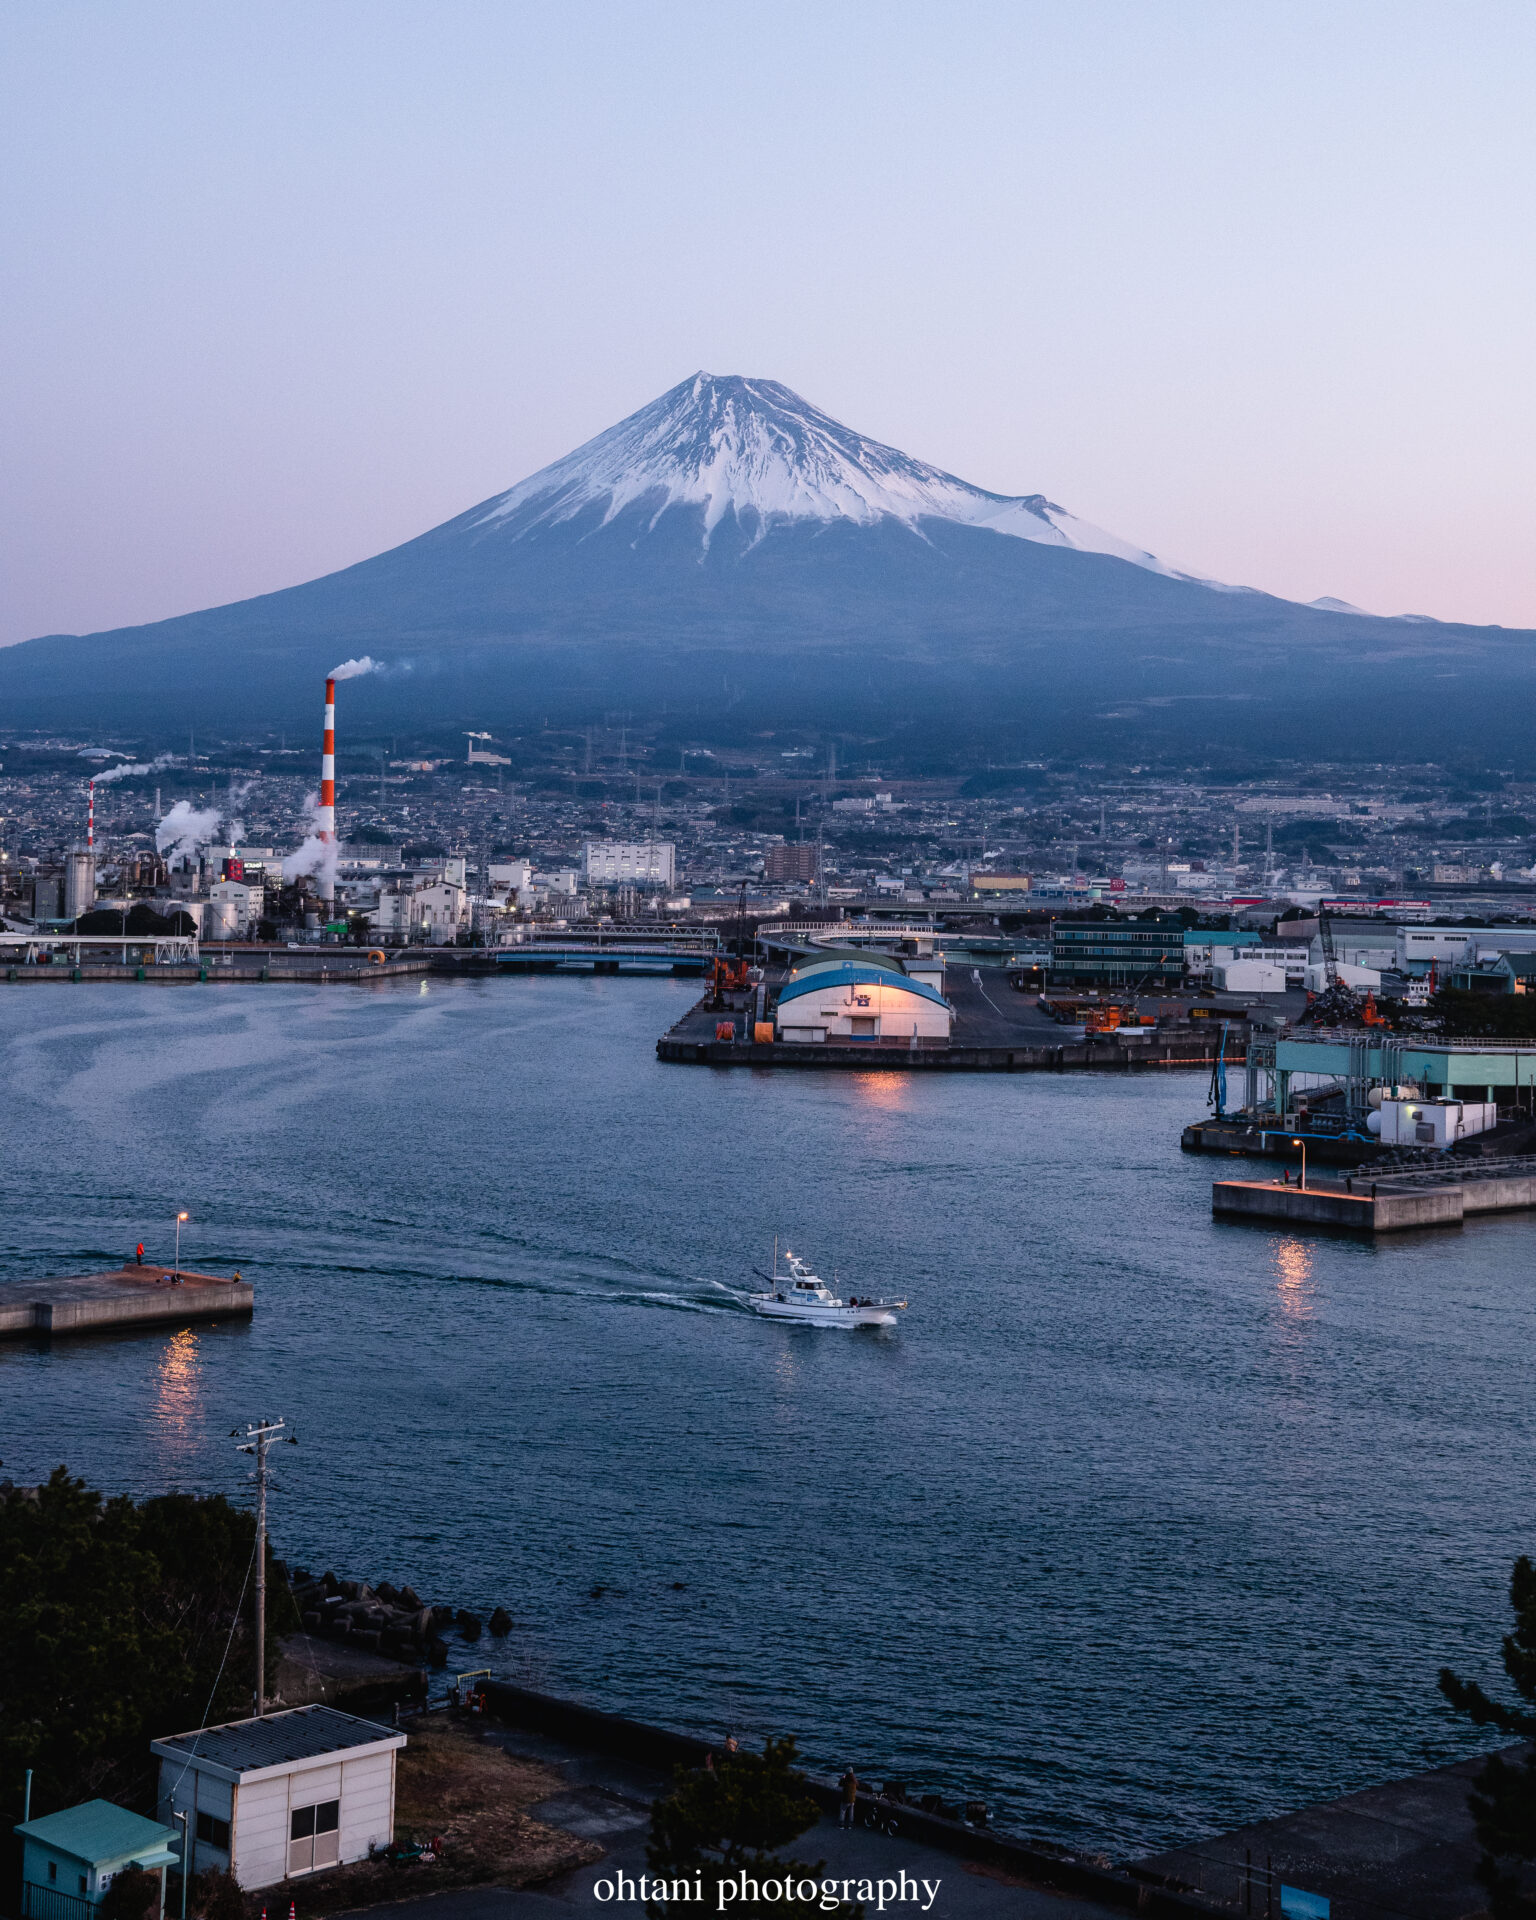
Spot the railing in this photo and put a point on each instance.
(49, 1903)
(1458, 1173)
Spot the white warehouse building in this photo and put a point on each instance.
(860, 996)
(644, 863)
(287, 1794)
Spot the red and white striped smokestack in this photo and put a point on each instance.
(90, 820)
(328, 793)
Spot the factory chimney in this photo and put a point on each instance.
(327, 822)
(80, 868)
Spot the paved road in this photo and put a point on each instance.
(609, 1801)
(990, 1013)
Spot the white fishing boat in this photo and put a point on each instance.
(795, 1293)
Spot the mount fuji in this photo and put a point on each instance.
(733, 559)
(755, 451)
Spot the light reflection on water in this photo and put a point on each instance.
(177, 1400)
(1293, 1270)
(1090, 1536)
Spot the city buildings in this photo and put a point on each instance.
(612, 863)
(1092, 955)
(791, 865)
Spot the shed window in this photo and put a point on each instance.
(313, 1836)
(212, 1832)
(53, 1869)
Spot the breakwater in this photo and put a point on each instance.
(385, 1618)
(1443, 1196)
(128, 1298)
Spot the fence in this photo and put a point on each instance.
(49, 1903)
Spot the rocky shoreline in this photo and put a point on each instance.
(383, 1619)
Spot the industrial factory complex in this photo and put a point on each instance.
(1034, 917)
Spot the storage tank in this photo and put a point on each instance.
(221, 920)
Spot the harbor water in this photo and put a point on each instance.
(1139, 1527)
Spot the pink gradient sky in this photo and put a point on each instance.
(1252, 286)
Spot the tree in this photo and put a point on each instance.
(1511, 1016)
(1504, 1801)
(118, 1620)
(133, 1895)
(215, 1895)
(723, 1822)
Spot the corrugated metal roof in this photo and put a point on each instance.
(277, 1739)
(854, 973)
(844, 956)
(98, 1832)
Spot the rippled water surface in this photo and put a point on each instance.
(1140, 1526)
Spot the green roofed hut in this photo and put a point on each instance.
(69, 1859)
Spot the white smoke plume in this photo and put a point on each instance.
(316, 856)
(186, 828)
(350, 669)
(238, 789)
(127, 770)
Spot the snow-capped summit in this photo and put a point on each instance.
(755, 450)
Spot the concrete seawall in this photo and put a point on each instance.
(1384, 1205)
(129, 1297)
(1103, 1056)
(661, 1748)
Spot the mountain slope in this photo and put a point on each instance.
(731, 556)
(756, 451)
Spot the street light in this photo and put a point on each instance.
(179, 1218)
(186, 1857)
(1295, 1143)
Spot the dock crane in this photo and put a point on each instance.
(1330, 958)
(1337, 1000)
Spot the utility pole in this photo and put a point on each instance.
(257, 1439)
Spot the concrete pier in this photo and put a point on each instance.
(1436, 1197)
(999, 1034)
(1315, 1206)
(129, 1297)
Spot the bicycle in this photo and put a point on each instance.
(880, 1814)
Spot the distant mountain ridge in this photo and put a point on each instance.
(732, 559)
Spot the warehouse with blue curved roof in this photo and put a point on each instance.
(843, 996)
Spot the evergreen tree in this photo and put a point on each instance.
(722, 1822)
(1504, 1803)
(117, 1621)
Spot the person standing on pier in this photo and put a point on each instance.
(850, 1786)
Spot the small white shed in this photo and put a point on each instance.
(284, 1795)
